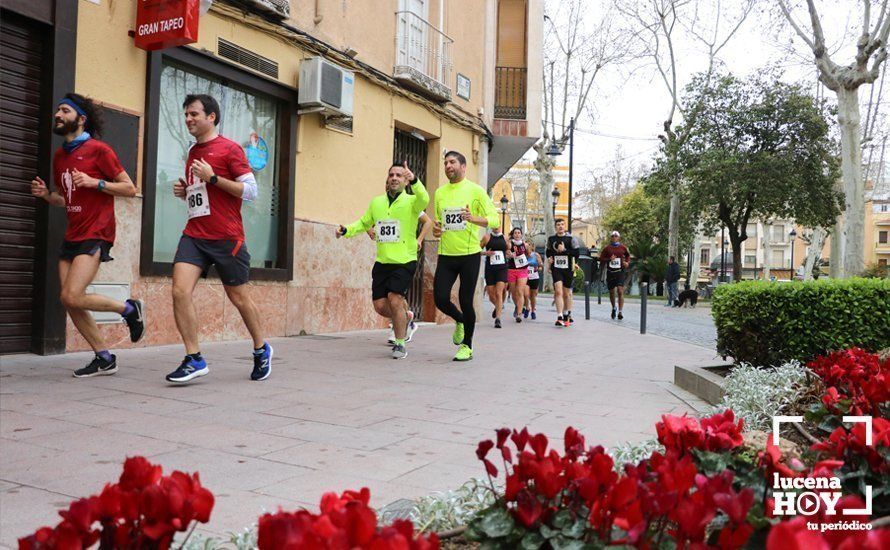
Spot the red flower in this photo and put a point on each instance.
(794, 535)
(539, 444)
(503, 434)
(721, 431)
(483, 448)
(679, 433)
(771, 460)
(139, 473)
(520, 439)
(528, 509)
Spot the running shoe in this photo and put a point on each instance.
(534, 316)
(560, 322)
(497, 323)
(525, 313)
(614, 311)
(399, 352)
(518, 318)
(620, 315)
(98, 367)
(464, 353)
(262, 363)
(188, 370)
(458, 336)
(136, 320)
(392, 338)
(494, 314)
(412, 328)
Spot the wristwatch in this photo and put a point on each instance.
(213, 179)
(101, 185)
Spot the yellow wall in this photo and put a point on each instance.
(336, 173)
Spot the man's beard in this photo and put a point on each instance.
(67, 127)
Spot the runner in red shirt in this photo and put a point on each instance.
(87, 177)
(217, 179)
(615, 258)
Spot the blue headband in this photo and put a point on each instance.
(73, 105)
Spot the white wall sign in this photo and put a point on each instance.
(463, 86)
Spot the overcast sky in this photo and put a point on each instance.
(629, 110)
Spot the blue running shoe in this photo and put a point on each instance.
(188, 370)
(262, 363)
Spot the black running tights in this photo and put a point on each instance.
(448, 269)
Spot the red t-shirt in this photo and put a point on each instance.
(228, 161)
(90, 211)
(611, 252)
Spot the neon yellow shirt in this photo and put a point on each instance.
(395, 224)
(461, 239)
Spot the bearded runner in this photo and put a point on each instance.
(462, 207)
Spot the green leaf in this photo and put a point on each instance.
(496, 522)
(532, 541)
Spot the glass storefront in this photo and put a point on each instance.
(248, 118)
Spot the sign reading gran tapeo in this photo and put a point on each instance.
(166, 23)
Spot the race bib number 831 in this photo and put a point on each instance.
(388, 231)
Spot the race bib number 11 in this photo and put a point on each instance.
(453, 219)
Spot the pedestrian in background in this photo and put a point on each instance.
(673, 281)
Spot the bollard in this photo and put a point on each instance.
(599, 291)
(587, 300)
(644, 293)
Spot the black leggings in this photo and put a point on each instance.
(448, 269)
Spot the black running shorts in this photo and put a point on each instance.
(231, 258)
(495, 275)
(566, 276)
(615, 279)
(395, 278)
(70, 249)
(534, 283)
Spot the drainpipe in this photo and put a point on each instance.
(318, 16)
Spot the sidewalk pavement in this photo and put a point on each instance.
(337, 413)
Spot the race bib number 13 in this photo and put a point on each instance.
(388, 231)
(453, 219)
(198, 199)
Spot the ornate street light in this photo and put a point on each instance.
(555, 195)
(793, 235)
(504, 203)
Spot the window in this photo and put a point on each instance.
(255, 113)
(882, 237)
(751, 230)
(750, 259)
(779, 233)
(705, 256)
(882, 262)
(778, 259)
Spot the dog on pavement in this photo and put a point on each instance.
(690, 296)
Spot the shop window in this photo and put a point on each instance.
(705, 256)
(882, 237)
(255, 113)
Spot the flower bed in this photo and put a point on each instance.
(706, 485)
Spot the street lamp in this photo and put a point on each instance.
(555, 195)
(793, 236)
(722, 254)
(555, 151)
(504, 203)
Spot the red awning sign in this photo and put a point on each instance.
(166, 23)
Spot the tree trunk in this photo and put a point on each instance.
(736, 258)
(836, 261)
(674, 225)
(854, 189)
(814, 254)
(696, 258)
(544, 164)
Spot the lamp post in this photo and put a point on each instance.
(555, 195)
(556, 150)
(722, 254)
(504, 203)
(793, 236)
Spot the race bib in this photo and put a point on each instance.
(497, 258)
(198, 199)
(615, 263)
(561, 262)
(453, 219)
(389, 231)
(533, 272)
(520, 261)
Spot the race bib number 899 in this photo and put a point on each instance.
(453, 219)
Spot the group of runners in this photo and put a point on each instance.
(217, 179)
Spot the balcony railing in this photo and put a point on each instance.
(510, 93)
(423, 56)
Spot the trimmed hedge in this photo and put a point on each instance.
(767, 323)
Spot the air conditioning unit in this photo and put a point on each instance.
(277, 8)
(325, 87)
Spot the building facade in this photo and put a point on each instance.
(425, 77)
(521, 186)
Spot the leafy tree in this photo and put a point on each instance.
(760, 149)
(636, 216)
